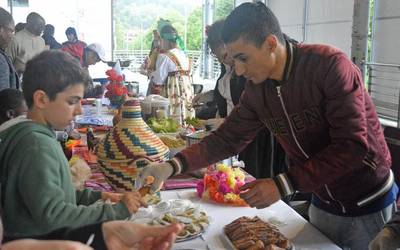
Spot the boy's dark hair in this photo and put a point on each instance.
(52, 71)
(10, 99)
(214, 38)
(252, 22)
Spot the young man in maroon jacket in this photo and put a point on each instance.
(312, 98)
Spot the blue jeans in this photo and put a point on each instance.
(353, 233)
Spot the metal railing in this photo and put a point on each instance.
(384, 88)
(137, 57)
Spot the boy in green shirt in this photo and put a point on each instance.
(37, 195)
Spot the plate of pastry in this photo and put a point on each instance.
(192, 216)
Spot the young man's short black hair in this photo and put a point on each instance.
(10, 99)
(52, 71)
(252, 22)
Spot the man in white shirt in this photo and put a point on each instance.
(27, 43)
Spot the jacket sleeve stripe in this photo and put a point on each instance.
(284, 185)
(176, 165)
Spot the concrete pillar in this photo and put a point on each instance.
(208, 15)
(359, 44)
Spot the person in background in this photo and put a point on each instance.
(149, 64)
(93, 54)
(27, 43)
(313, 99)
(48, 37)
(73, 45)
(8, 76)
(37, 194)
(172, 77)
(154, 51)
(87, 56)
(19, 27)
(12, 104)
(263, 157)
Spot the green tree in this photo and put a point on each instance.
(194, 31)
(222, 8)
(140, 17)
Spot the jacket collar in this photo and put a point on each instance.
(289, 61)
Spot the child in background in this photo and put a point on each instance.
(12, 104)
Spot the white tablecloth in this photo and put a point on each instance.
(296, 228)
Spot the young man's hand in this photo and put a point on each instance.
(260, 193)
(121, 235)
(133, 201)
(159, 171)
(29, 244)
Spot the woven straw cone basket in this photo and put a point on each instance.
(128, 147)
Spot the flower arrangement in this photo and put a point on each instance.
(222, 185)
(116, 91)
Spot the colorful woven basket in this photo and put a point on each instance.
(128, 147)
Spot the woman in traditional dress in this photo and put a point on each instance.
(172, 76)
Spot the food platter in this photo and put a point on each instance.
(183, 211)
(254, 233)
(230, 246)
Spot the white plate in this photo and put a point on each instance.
(174, 207)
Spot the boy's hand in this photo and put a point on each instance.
(260, 193)
(121, 235)
(133, 201)
(113, 197)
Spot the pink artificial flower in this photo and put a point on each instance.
(224, 188)
(222, 177)
(200, 188)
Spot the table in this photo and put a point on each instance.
(296, 228)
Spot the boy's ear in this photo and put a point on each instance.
(40, 99)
